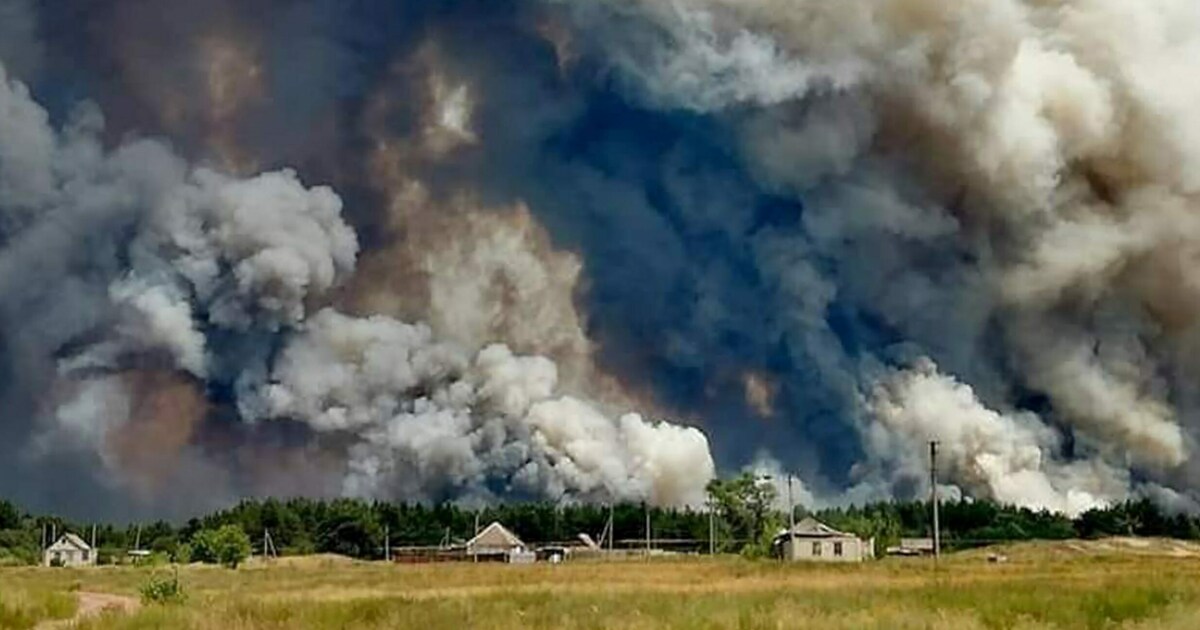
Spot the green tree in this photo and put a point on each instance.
(227, 545)
(744, 503)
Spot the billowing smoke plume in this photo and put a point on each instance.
(436, 418)
(823, 232)
(214, 285)
(1007, 185)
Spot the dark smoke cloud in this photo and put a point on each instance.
(822, 232)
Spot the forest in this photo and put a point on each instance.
(743, 521)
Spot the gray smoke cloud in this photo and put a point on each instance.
(1056, 161)
(434, 417)
(205, 256)
(822, 232)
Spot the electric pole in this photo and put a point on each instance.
(387, 543)
(647, 506)
(612, 529)
(933, 500)
(712, 526)
(791, 521)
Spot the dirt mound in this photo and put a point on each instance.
(93, 605)
(1121, 546)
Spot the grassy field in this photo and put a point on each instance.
(1112, 584)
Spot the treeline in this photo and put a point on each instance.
(358, 528)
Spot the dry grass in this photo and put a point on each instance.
(1067, 585)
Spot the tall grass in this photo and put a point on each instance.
(1040, 588)
(22, 608)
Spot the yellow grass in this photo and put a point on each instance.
(1113, 584)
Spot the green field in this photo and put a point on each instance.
(1109, 584)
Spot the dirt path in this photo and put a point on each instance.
(92, 605)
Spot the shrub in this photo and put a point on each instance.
(161, 589)
(183, 554)
(228, 546)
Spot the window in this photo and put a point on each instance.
(85, 556)
(816, 548)
(837, 549)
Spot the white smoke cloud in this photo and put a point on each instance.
(252, 251)
(212, 257)
(1009, 457)
(430, 418)
(1042, 186)
(159, 316)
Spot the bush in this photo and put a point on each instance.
(228, 546)
(161, 589)
(183, 554)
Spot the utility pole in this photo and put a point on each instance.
(647, 506)
(712, 526)
(476, 523)
(933, 500)
(791, 521)
(387, 543)
(612, 528)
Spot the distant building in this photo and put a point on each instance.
(69, 551)
(495, 543)
(814, 541)
(912, 547)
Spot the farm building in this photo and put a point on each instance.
(912, 547)
(813, 541)
(496, 544)
(69, 551)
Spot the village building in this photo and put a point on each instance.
(813, 541)
(69, 551)
(495, 543)
(912, 547)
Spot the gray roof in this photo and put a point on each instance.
(71, 540)
(809, 527)
(495, 536)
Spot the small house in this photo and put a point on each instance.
(813, 541)
(69, 551)
(495, 543)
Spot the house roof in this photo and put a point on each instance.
(70, 540)
(495, 536)
(810, 527)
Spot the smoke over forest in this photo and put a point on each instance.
(586, 250)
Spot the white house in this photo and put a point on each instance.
(814, 541)
(495, 543)
(69, 551)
